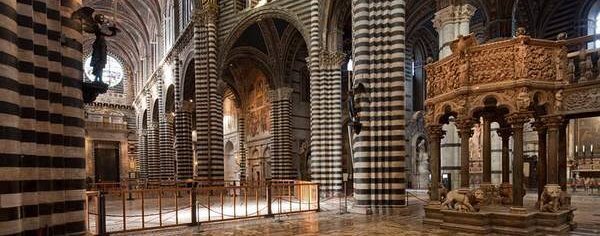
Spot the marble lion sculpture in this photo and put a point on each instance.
(550, 200)
(463, 202)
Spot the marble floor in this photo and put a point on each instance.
(330, 222)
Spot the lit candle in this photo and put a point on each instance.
(575, 148)
(583, 146)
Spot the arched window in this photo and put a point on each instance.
(593, 22)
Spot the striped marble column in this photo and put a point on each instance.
(166, 152)
(379, 150)
(281, 134)
(183, 141)
(326, 155)
(41, 119)
(153, 158)
(183, 130)
(142, 162)
(209, 102)
(242, 145)
(154, 172)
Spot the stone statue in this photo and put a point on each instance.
(463, 202)
(304, 154)
(97, 25)
(550, 199)
(523, 100)
(558, 98)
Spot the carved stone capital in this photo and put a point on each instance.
(435, 132)
(187, 106)
(504, 133)
(452, 14)
(553, 122)
(207, 11)
(332, 59)
(517, 120)
(465, 126)
(281, 94)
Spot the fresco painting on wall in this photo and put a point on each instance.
(259, 109)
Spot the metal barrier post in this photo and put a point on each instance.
(193, 206)
(269, 193)
(318, 198)
(101, 214)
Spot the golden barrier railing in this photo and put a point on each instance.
(124, 210)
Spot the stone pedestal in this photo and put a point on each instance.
(501, 221)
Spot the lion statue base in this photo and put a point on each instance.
(550, 201)
(463, 202)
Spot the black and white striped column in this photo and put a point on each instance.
(183, 130)
(153, 158)
(379, 150)
(166, 152)
(42, 163)
(242, 145)
(281, 134)
(209, 102)
(142, 162)
(326, 155)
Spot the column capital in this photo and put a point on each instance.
(465, 126)
(280, 94)
(206, 11)
(553, 122)
(435, 132)
(517, 120)
(332, 59)
(504, 133)
(453, 13)
(540, 126)
(187, 106)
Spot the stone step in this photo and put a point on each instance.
(585, 231)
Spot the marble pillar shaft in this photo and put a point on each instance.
(464, 133)
(209, 102)
(379, 150)
(552, 147)
(505, 136)
(435, 134)
(281, 134)
(487, 150)
(517, 126)
(562, 156)
(183, 144)
(541, 163)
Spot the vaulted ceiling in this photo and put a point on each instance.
(139, 22)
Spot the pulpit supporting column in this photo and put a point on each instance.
(435, 135)
(542, 162)
(465, 131)
(517, 121)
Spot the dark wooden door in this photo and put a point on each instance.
(107, 165)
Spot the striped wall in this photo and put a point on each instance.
(42, 165)
(379, 150)
(209, 102)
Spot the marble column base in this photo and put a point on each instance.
(379, 210)
(518, 210)
(505, 193)
(433, 214)
(490, 193)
